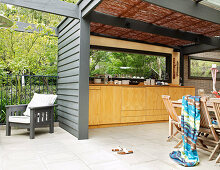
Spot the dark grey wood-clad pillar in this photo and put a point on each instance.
(84, 78)
(73, 72)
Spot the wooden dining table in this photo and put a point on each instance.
(178, 104)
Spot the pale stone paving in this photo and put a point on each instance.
(62, 151)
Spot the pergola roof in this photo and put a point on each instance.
(170, 22)
(150, 13)
(185, 25)
(136, 35)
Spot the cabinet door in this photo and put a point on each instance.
(94, 106)
(134, 119)
(154, 99)
(156, 117)
(133, 98)
(156, 112)
(110, 105)
(191, 91)
(177, 93)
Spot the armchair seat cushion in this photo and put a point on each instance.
(19, 119)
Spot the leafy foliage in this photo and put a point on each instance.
(201, 68)
(30, 16)
(103, 62)
(29, 53)
(14, 92)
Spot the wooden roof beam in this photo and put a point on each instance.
(152, 28)
(190, 8)
(22, 27)
(56, 7)
(199, 48)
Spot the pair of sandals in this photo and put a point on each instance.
(122, 151)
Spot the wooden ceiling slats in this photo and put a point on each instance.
(213, 33)
(146, 12)
(135, 35)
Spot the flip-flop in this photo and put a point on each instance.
(125, 151)
(117, 149)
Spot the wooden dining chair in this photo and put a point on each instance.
(216, 106)
(174, 118)
(208, 137)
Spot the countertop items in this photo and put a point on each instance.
(97, 81)
(125, 82)
(140, 85)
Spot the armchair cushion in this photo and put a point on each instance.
(40, 100)
(19, 119)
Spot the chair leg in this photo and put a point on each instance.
(51, 130)
(218, 159)
(32, 133)
(28, 129)
(171, 137)
(8, 129)
(51, 127)
(179, 143)
(203, 145)
(214, 151)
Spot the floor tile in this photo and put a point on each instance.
(98, 156)
(62, 151)
(114, 165)
(53, 158)
(68, 165)
(24, 165)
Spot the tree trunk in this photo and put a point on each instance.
(159, 68)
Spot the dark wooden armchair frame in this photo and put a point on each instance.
(39, 117)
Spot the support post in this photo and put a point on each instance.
(84, 78)
(181, 68)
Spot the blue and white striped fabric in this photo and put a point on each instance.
(190, 123)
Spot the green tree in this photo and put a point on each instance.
(34, 53)
(138, 65)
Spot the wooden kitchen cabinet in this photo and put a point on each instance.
(153, 98)
(111, 105)
(156, 118)
(177, 93)
(110, 111)
(133, 98)
(94, 106)
(132, 119)
(156, 112)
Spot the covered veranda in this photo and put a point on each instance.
(173, 28)
(61, 150)
(134, 26)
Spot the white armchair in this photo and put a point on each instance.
(38, 113)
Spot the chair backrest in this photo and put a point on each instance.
(171, 110)
(205, 119)
(216, 106)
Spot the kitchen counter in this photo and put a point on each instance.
(140, 85)
(117, 105)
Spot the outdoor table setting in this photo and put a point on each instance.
(178, 104)
(198, 125)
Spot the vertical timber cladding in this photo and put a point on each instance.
(73, 72)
